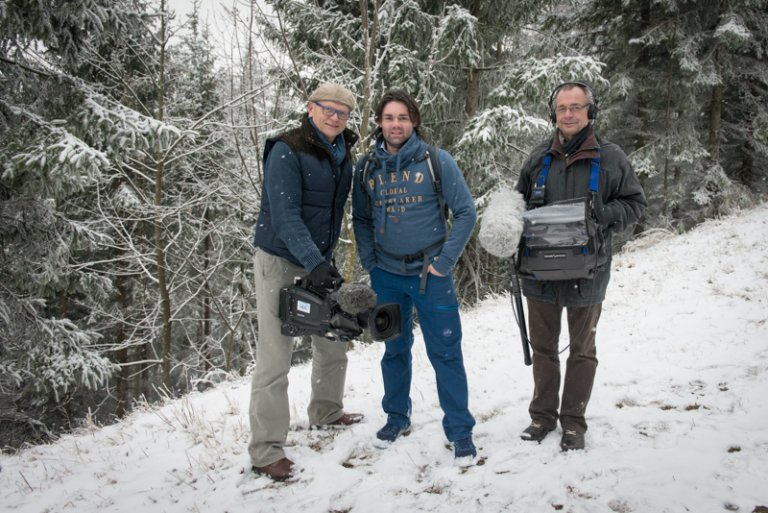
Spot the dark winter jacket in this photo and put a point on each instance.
(396, 211)
(303, 196)
(568, 178)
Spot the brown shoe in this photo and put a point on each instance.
(280, 470)
(346, 419)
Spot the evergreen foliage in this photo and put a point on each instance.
(85, 144)
(131, 157)
(685, 96)
(49, 338)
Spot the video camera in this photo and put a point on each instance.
(341, 314)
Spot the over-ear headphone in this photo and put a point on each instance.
(591, 112)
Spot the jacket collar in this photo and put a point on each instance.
(589, 149)
(305, 138)
(312, 134)
(413, 148)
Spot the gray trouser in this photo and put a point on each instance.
(269, 410)
(544, 323)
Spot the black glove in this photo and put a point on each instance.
(324, 276)
(602, 214)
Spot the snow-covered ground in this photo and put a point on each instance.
(678, 418)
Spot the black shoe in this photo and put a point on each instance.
(572, 441)
(535, 432)
(389, 433)
(464, 448)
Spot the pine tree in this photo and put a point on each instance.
(673, 66)
(111, 185)
(49, 340)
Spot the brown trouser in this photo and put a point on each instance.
(544, 324)
(270, 407)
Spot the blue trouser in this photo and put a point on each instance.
(438, 311)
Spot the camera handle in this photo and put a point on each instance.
(303, 282)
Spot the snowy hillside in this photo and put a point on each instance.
(678, 419)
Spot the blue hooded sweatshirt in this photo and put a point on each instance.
(396, 211)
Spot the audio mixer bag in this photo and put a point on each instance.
(560, 241)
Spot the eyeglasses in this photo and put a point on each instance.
(330, 111)
(575, 108)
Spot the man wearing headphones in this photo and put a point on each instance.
(618, 203)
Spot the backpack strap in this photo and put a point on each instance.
(364, 173)
(435, 172)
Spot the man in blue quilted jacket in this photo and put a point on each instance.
(404, 243)
(307, 177)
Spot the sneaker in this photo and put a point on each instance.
(535, 432)
(346, 420)
(390, 432)
(464, 447)
(280, 470)
(572, 441)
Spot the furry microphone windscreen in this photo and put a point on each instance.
(356, 298)
(502, 223)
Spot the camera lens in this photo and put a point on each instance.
(385, 321)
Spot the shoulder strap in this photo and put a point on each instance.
(544, 170)
(541, 184)
(594, 173)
